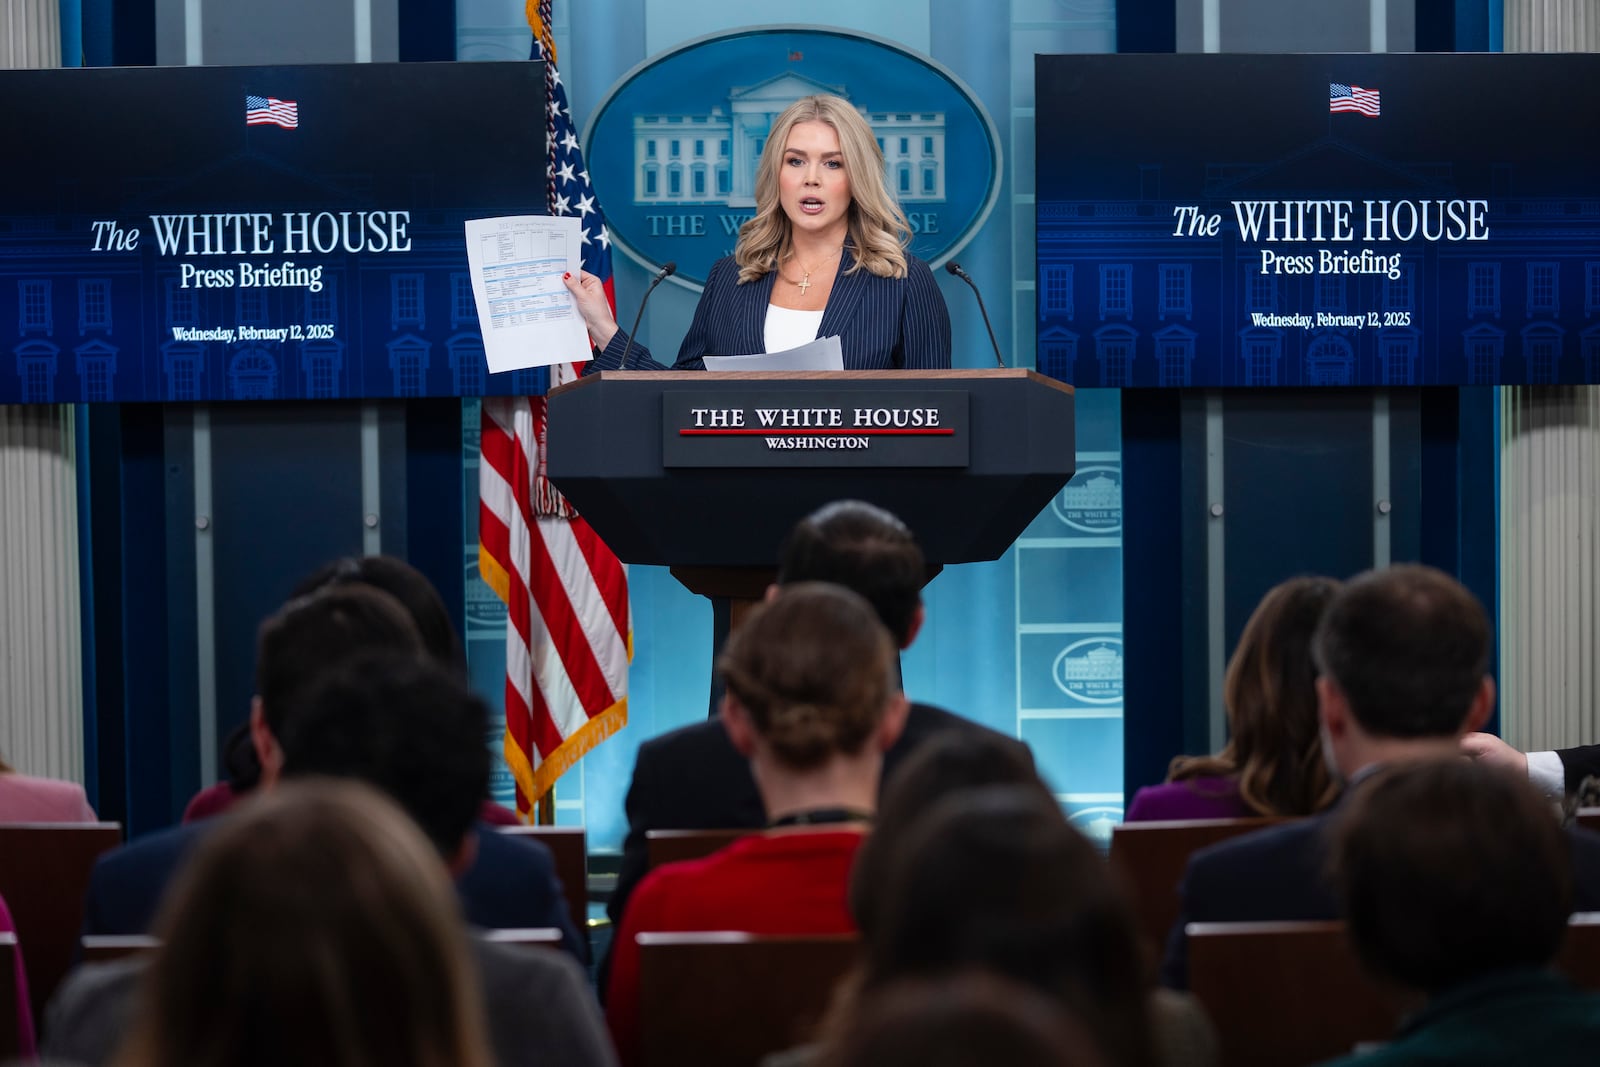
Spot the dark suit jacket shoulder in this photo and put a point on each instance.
(127, 883)
(881, 323)
(1578, 764)
(1281, 874)
(1271, 874)
(512, 884)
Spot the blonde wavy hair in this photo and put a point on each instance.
(879, 232)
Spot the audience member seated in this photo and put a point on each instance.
(950, 765)
(1272, 763)
(974, 1020)
(694, 779)
(994, 878)
(946, 764)
(1402, 656)
(422, 602)
(415, 732)
(1456, 882)
(314, 926)
(811, 704)
(512, 882)
(24, 798)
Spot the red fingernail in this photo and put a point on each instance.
(567, 276)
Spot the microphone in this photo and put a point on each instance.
(665, 272)
(955, 268)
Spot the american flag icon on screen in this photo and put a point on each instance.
(1352, 98)
(270, 111)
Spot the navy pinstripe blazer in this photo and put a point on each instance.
(882, 323)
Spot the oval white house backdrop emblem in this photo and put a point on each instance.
(672, 149)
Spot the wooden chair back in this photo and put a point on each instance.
(44, 876)
(569, 848)
(1151, 858)
(728, 999)
(103, 948)
(1294, 993)
(1579, 958)
(671, 846)
(1282, 994)
(526, 937)
(10, 1014)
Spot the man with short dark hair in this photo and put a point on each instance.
(1455, 882)
(693, 778)
(409, 728)
(1403, 656)
(511, 884)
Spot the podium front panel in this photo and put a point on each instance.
(606, 455)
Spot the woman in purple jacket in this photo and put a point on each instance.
(1272, 763)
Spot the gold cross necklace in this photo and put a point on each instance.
(805, 283)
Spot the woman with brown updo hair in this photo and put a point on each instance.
(811, 703)
(1272, 763)
(314, 925)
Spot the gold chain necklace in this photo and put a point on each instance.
(805, 283)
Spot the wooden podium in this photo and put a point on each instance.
(717, 515)
(705, 473)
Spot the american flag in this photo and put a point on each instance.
(569, 634)
(270, 111)
(1352, 98)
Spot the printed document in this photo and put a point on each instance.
(527, 315)
(822, 354)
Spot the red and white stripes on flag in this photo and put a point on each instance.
(568, 634)
(568, 630)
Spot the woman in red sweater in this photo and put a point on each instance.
(811, 703)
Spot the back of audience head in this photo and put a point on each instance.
(407, 585)
(308, 635)
(1450, 871)
(314, 926)
(1270, 694)
(809, 678)
(941, 766)
(1406, 650)
(866, 549)
(972, 1020)
(995, 878)
(405, 725)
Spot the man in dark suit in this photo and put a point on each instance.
(415, 732)
(693, 778)
(512, 882)
(1403, 662)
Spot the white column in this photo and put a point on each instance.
(1550, 500)
(1551, 26)
(41, 648)
(30, 34)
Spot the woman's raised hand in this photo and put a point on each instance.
(589, 294)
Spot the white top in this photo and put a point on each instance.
(787, 328)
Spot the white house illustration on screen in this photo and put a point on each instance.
(711, 159)
(1098, 493)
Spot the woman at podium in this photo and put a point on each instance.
(825, 255)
